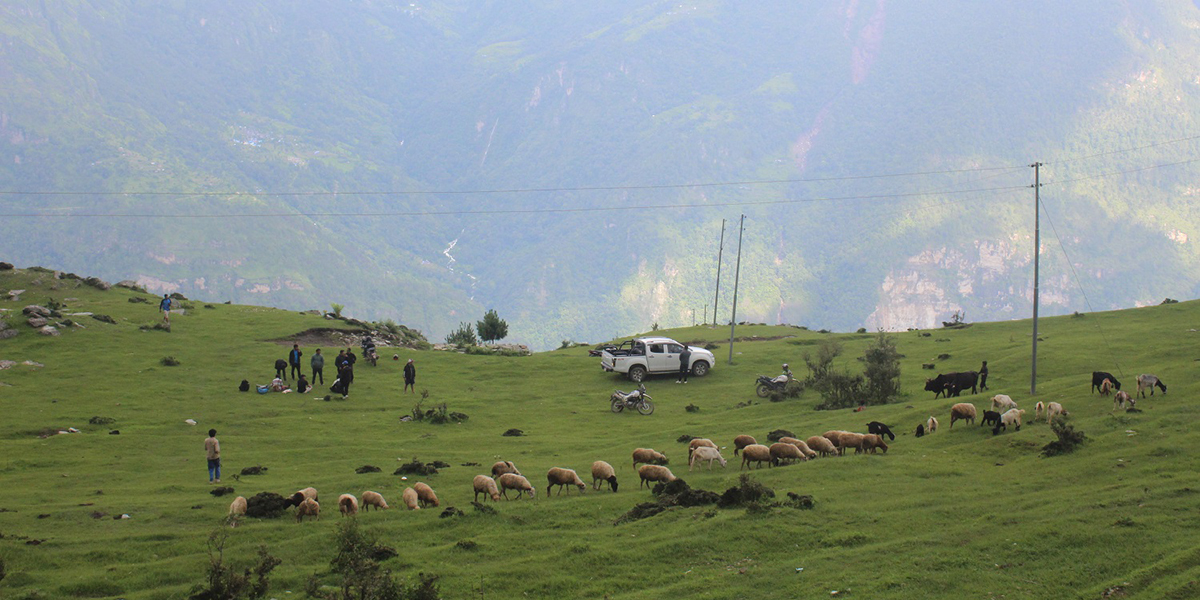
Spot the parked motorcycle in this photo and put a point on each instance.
(369, 353)
(636, 400)
(766, 385)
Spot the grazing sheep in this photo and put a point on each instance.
(648, 456)
(963, 411)
(1149, 381)
(821, 445)
(1106, 387)
(308, 508)
(238, 506)
(1010, 417)
(872, 442)
(850, 440)
(512, 481)
(698, 442)
(1000, 403)
(651, 473)
(756, 453)
(296, 499)
(786, 453)
(410, 499)
(487, 486)
(834, 436)
(880, 429)
(425, 494)
(375, 499)
(1055, 408)
(562, 478)
(348, 505)
(1039, 411)
(931, 425)
(920, 430)
(741, 442)
(802, 445)
(502, 467)
(1120, 398)
(705, 453)
(602, 471)
(991, 417)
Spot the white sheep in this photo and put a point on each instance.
(410, 499)
(931, 425)
(512, 481)
(1010, 417)
(821, 445)
(756, 453)
(238, 506)
(602, 471)
(487, 486)
(562, 478)
(697, 443)
(425, 494)
(375, 499)
(308, 508)
(651, 473)
(705, 453)
(348, 505)
(502, 467)
(1000, 403)
(649, 456)
(1055, 408)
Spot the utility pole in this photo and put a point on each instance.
(693, 317)
(736, 276)
(1037, 250)
(720, 248)
(704, 321)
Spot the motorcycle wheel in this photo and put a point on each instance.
(763, 390)
(645, 407)
(618, 406)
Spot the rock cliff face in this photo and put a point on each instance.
(987, 280)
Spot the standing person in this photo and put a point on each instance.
(350, 360)
(410, 376)
(281, 369)
(318, 365)
(294, 359)
(346, 375)
(685, 364)
(165, 307)
(983, 372)
(212, 449)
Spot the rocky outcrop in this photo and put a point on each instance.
(34, 310)
(37, 322)
(48, 330)
(5, 266)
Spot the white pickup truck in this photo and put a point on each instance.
(642, 356)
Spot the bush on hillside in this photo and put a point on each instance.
(227, 583)
(266, 505)
(840, 390)
(882, 370)
(438, 415)
(416, 467)
(359, 576)
(1068, 438)
(821, 366)
(169, 361)
(464, 336)
(792, 389)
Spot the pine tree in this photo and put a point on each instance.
(492, 328)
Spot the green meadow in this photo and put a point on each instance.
(960, 513)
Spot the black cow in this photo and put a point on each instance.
(1098, 378)
(952, 384)
(880, 429)
(992, 417)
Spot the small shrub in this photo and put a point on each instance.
(450, 512)
(483, 509)
(221, 490)
(138, 300)
(685, 438)
(514, 432)
(266, 505)
(747, 491)
(104, 319)
(1068, 438)
(779, 434)
(169, 361)
(823, 331)
(793, 389)
(861, 330)
(209, 306)
(1170, 301)
(102, 420)
(416, 467)
(156, 327)
(654, 326)
(1077, 314)
(337, 309)
(464, 336)
(255, 470)
(226, 583)
(795, 500)
(943, 357)
(692, 408)
(367, 469)
(466, 545)
(711, 346)
(359, 576)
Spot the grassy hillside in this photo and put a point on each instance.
(961, 513)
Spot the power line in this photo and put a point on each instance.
(503, 210)
(1124, 150)
(1124, 172)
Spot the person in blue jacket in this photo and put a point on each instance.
(165, 307)
(294, 360)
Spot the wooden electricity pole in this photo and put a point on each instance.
(736, 276)
(720, 249)
(1037, 250)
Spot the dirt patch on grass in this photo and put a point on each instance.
(332, 337)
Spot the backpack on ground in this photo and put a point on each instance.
(245, 387)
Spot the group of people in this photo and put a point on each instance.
(344, 363)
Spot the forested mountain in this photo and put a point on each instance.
(425, 161)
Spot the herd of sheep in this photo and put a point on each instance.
(1004, 413)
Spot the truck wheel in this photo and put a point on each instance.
(700, 369)
(637, 373)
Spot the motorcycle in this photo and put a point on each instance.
(369, 354)
(766, 385)
(637, 399)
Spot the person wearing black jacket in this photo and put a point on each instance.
(685, 364)
(281, 369)
(983, 373)
(410, 376)
(294, 360)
